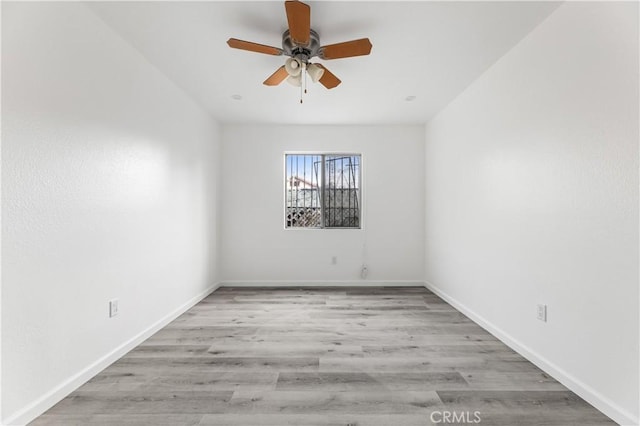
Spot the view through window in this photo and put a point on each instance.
(322, 191)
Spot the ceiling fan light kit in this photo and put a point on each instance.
(293, 67)
(315, 72)
(301, 43)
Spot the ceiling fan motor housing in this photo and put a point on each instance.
(302, 53)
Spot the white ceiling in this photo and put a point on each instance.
(430, 50)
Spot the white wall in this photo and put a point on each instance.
(108, 187)
(532, 197)
(258, 249)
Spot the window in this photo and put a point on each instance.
(322, 191)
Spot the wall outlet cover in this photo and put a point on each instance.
(542, 312)
(113, 308)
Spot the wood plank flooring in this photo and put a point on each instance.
(322, 356)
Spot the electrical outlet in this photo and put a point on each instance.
(113, 308)
(364, 272)
(334, 260)
(542, 312)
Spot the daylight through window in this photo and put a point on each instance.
(322, 191)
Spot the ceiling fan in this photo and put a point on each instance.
(301, 43)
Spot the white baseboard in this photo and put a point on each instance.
(55, 395)
(322, 283)
(592, 396)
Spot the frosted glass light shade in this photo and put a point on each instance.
(295, 80)
(315, 72)
(293, 67)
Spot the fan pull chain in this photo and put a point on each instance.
(304, 71)
(303, 81)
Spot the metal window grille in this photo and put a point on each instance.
(322, 191)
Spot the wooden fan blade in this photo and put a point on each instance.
(346, 50)
(328, 80)
(254, 47)
(277, 77)
(299, 19)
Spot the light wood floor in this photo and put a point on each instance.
(322, 356)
